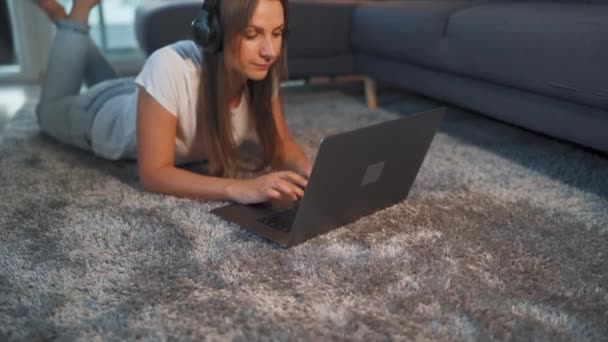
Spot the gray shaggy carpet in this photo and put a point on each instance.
(504, 237)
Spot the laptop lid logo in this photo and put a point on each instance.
(373, 173)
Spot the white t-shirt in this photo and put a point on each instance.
(171, 75)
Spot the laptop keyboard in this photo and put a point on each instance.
(282, 220)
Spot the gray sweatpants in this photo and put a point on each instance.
(63, 111)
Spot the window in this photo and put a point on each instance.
(112, 24)
(7, 47)
(29, 39)
(112, 29)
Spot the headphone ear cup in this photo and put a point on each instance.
(200, 29)
(216, 38)
(206, 29)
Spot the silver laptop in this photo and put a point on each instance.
(354, 174)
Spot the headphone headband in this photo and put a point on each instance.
(206, 28)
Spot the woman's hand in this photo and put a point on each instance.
(274, 185)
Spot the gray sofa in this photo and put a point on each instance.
(539, 65)
(543, 66)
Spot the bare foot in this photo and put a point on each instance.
(81, 9)
(52, 8)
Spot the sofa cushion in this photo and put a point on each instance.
(535, 1)
(555, 49)
(321, 66)
(407, 31)
(320, 28)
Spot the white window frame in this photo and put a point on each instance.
(31, 32)
(32, 38)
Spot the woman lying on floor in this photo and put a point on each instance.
(191, 102)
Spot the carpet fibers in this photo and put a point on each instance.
(504, 236)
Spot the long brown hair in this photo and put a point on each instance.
(213, 110)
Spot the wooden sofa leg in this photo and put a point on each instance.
(371, 93)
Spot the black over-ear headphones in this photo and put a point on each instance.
(206, 27)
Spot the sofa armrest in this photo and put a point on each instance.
(158, 24)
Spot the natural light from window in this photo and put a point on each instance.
(112, 23)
